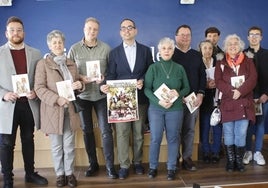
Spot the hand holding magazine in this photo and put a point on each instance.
(20, 83)
(65, 90)
(164, 93)
(93, 70)
(190, 102)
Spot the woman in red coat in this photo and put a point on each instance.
(235, 77)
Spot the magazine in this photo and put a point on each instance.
(65, 90)
(20, 83)
(122, 101)
(258, 107)
(163, 93)
(93, 70)
(210, 73)
(237, 81)
(190, 102)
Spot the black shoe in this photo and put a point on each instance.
(61, 181)
(123, 173)
(36, 179)
(8, 185)
(188, 164)
(111, 173)
(138, 169)
(92, 169)
(206, 158)
(171, 174)
(71, 181)
(215, 158)
(152, 173)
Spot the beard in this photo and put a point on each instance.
(16, 40)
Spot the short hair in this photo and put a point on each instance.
(14, 19)
(92, 19)
(233, 36)
(212, 30)
(55, 34)
(183, 26)
(203, 42)
(128, 19)
(166, 40)
(255, 28)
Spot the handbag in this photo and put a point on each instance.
(215, 117)
(78, 105)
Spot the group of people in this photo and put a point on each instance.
(183, 69)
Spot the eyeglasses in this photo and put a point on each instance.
(129, 28)
(254, 35)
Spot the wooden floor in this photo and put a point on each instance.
(207, 175)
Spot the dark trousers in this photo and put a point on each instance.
(100, 108)
(23, 117)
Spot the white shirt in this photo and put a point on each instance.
(130, 51)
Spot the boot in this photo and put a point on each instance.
(230, 154)
(239, 152)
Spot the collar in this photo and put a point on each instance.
(126, 45)
(84, 43)
(14, 48)
(182, 50)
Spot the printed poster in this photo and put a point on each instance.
(122, 101)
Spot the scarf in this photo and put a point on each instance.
(235, 61)
(61, 62)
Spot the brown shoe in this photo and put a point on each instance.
(61, 181)
(71, 180)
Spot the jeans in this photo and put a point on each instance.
(23, 117)
(258, 130)
(123, 131)
(205, 129)
(100, 108)
(169, 121)
(186, 140)
(235, 132)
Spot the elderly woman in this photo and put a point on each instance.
(235, 77)
(58, 118)
(165, 114)
(210, 150)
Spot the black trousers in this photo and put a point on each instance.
(22, 118)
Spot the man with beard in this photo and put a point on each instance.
(18, 58)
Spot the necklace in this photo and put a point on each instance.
(167, 73)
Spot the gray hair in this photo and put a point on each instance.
(233, 36)
(166, 40)
(55, 34)
(92, 19)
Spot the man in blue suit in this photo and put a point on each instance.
(130, 60)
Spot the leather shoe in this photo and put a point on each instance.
(215, 158)
(188, 164)
(36, 179)
(152, 173)
(61, 181)
(92, 169)
(111, 173)
(206, 158)
(138, 169)
(171, 174)
(71, 181)
(123, 173)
